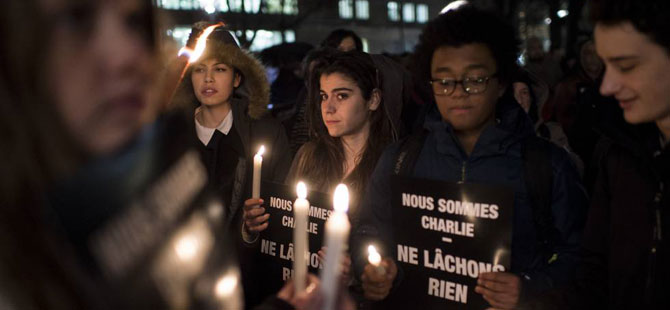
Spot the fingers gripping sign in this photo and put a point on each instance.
(500, 289)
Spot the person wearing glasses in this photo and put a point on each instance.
(476, 134)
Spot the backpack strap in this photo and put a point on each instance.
(539, 178)
(408, 153)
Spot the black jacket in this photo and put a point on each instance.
(618, 269)
(253, 132)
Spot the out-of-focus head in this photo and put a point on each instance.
(469, 55)
(589, 60)
(344, 40)
(75, 74)
(534, 49)
(633, 39)
(531, 92)
(99, 68)
(522, 95)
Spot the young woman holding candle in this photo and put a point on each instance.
(346, 104)
(229, 91)
(353, 110)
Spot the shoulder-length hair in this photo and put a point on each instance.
(323, 160)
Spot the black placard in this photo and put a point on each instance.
(276, 242)
(445, 234)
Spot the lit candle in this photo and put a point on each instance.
(258, 163)
(177, 69)
(337, 232)
(375, 260)
(300, 240)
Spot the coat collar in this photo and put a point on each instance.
(511, 126)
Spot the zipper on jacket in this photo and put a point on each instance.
(463, 173)
(656, 241)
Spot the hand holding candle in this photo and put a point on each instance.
(258, 163)
(300, 240)
(375, 260)
(377, 283)
(337, 233)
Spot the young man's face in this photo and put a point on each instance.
(637, 72)
(466, 112)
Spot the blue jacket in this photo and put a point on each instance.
(495, 159)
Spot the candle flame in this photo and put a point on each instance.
(373, 256)
(187, 247)
(201, 43)
(225, 286)
(302, 190)
(261, 150)
(341, 198)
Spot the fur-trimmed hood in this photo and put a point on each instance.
(254, 88)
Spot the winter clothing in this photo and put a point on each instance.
(104, 236)
(495, 159)
(616, 270)
(251, 123)
(549, 130)
(229, 163)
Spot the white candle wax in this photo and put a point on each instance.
(337, 233)
(300, 239)
(258, 163)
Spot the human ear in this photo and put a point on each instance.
(375, 100)
(501, 89)
(237, 80)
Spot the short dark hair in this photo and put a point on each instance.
(466, 25)
(334, 39)
(649, 17)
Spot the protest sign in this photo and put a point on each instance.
(276, 242)
(445, 235)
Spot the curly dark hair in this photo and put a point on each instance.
(649, 17)
(467, 25)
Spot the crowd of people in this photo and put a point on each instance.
(103, 188)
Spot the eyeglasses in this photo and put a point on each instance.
(471, 85)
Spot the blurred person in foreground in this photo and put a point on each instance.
(102, 208)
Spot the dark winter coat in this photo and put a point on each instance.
(255, 127)
(253, 133)
(616, 272)
(251, 122)
(495, 159)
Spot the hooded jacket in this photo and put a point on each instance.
(496, 159)
(255, 127)
(251, 122)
